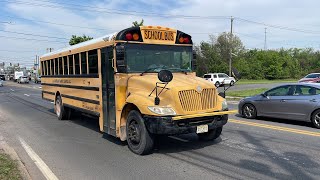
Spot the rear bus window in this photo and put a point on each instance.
(93, 62)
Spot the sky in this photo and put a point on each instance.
(28, 28)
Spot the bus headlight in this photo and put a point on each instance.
(162, 110)
(224, 105)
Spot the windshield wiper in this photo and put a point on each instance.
(179, 69)
(150, 69)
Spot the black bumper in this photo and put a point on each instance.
(165, 125)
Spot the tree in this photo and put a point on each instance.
(137, 24)
(78, 39)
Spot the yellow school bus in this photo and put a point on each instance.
(139, 82)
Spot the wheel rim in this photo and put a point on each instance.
(248, 111)
(134, 133)
(58, 109)
(317, 119)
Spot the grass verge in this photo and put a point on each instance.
(245, 93)
(265, 81)
(8, 168)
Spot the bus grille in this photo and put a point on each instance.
(191, 100)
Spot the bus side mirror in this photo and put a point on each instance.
(194, 61)
(236, 73)
(120, 57)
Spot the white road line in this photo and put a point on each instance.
(11, 89)
(38, 161)
(52, 102)
(27, 95)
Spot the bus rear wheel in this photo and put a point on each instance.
(61, 111)
(211, 134)
(140, 141)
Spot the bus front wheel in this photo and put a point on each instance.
(140, 141)
(61, 111)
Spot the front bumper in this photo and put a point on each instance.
(171, 126)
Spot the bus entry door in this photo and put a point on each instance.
(108, 91)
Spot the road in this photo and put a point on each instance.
(75, 149)
(239, 87)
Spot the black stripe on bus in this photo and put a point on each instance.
(81, 99)
(73, 76)
(71, 86)
(47, 92)
(83, 110)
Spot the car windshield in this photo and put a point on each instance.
(313, 76)
(153, 58)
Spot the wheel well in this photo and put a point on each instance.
(123, 120)
(250, 104)
(310, 118)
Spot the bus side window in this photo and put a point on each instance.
(77, 64)
(51, 67)
(70, 64)
(56, 66)
(60, 66)
(93, 61)
(84, 63)
(65, 64)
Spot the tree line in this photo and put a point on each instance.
(213, 56)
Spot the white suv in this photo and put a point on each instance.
(219, 79)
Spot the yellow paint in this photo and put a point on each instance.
(158, 35)
(292, 130)
(204, 115)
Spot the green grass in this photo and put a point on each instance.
(265, 81)
(245, 93)
(8, 168)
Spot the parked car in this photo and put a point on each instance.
(23, 79)
(311, 78)
(219, 79)
(1, 83)
(2, 77)
(292, 101)
(37, 79)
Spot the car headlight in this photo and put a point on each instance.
(162, 110)
(224, 105)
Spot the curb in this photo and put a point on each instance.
(13, 154)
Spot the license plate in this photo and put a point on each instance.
(202, 129)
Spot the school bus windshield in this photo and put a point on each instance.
(153, 58)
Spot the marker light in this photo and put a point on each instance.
(135, 36)
(181, 39)
(186, 40)
(129, 36)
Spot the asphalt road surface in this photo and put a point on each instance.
(75, 149)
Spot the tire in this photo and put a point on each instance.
(249, 111)
(61, 111)
(140, 141)
(315, 119)
(211, 134)
(217, 84)
(232, 83)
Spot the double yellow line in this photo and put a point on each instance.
(297, 131)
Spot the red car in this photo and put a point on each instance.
(311, 78)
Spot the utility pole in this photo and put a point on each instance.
(49, 49)
(230, 48)
(265, 39)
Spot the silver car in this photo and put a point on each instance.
(23, 79)
(291, 101)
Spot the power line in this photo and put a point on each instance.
(32, 39)
(4, 50)
(33, 34)
(113, 11)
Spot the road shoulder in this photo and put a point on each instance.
(14, 156)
